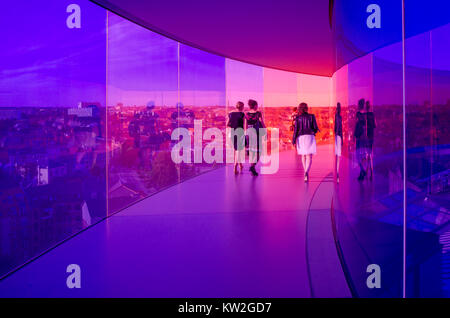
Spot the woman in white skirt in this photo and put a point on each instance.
(337, 138)
(304, 138)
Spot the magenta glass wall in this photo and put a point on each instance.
(156, 85)
(52, 126)
(87, 112)
(142, 93)
(202, 94)
(368, 201)
(400, 219)
(368, 212)
(428, 170)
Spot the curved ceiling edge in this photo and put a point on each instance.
(145, 24)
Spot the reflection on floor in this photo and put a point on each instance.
(216, 235)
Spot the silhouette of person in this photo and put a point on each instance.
(370, 132)
(181, 117)
(151, 131)
(87, 132)
(236, 121)
(361, 139)
(304, 137)
(338, 139)
(254, 119)
(150, 120)
(134, 130)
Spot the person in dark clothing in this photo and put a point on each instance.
(182, 118)
(253, 123)
(304, 137)
(370, 132)
(134, 130)
(150, 120)
(338, 139)
(236, 121)
(151, 133)
(360, 134)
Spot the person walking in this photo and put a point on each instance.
(304, 139)
(254, 122)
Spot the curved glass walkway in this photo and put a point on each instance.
(216, 235)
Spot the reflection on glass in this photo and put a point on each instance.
(52, 128)
(142, 82)
(202, 92)
(428, 204)
(367, 203)
(87, 117)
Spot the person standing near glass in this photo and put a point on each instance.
(338, 140)
(254, 120)
(360, 135)
(236, 121)
(370, 132)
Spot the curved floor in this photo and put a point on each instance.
(216, 235)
